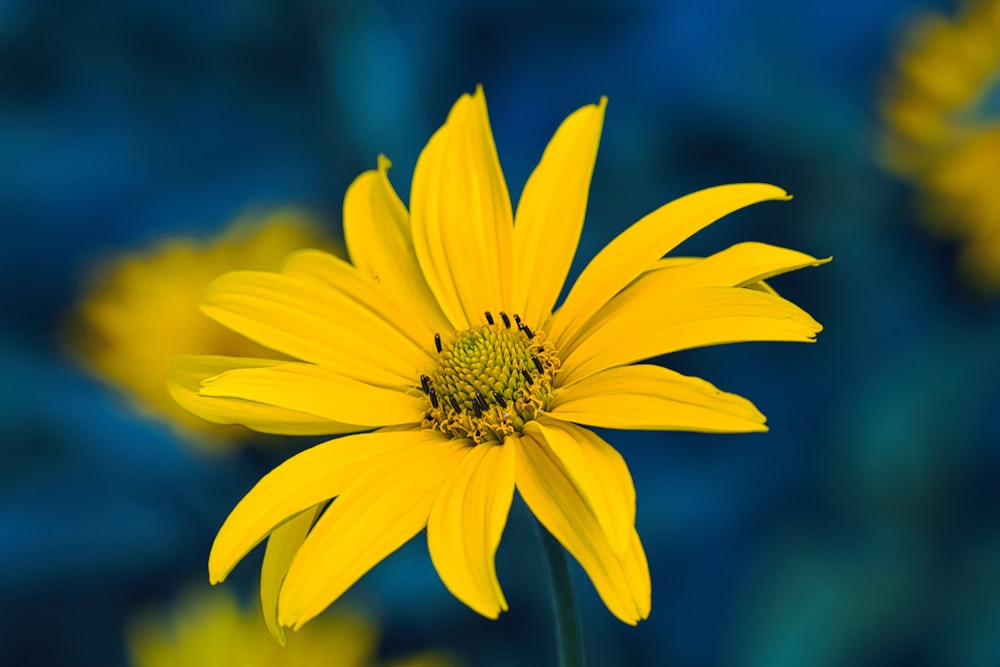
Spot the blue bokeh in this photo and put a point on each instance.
(861, 530)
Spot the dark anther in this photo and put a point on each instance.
(482, 400)
(506, 320)
(476, 409)
(454, 403)
(434, 396)
(527, 376)
(517, 319)
(538, 364)
(528, 332)
(437, 341)
(425, 382)
(500, 399)
(427, 416)
(489, 317)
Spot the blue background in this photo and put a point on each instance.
(862, 530)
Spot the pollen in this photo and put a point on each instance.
(488, 380)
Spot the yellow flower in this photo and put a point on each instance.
(210, 629)
(142, 309)
(943, 129)
(441, 335)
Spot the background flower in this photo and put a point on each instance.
(123, 123)
(141, 309)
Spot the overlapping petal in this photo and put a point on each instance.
(622, 582)
(648, 323)
(466, 523)
(637, 248)
(380, 242)
(652, 397)
(550, 213)
(461, 216)
(313, 476)
(282, 545)
(316, 390)
(380, 511)
(739, 265)
(188, 372)
(596, 470)
(317, 322)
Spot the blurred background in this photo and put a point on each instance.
(863, 529)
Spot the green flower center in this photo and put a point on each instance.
(489, 380)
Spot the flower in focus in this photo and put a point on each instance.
(210, 628)
(943, 129)
(142, 309)
(440, 335)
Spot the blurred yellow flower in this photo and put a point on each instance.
(209, 628)
(441, 335)
(142, 309)
(943, 129)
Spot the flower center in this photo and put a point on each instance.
(489, 380)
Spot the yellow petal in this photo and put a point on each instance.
(550, 214)
(461, 215)
(637, 248)
(313, 476)
(380, 511)
(282, 546)
(648, 323)
(653, 397)
(188, 372)
(380, 243)
(318, 391)
(315, 322)
(737, 266)
(622, 583)
(596, 470)
(466, 523)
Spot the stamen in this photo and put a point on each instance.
(425, 382)
(538, 363)
(489, 317)
(527, 331)
(434, 397)
(454, 403)
(437, 341)
(481, 400)
(527, 376)
(506, 320)
(498, 397)
(476, 410)
(517, 318)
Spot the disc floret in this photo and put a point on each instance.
(489, 380)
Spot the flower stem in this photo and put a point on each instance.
(567, 623)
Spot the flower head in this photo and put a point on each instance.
(211, 628)
(142, 309)
(440, 334)
(943, 129)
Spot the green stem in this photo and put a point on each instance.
(567, 623)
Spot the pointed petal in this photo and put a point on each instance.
(643, 322)
(466, 523)
(596, 470)
(740, 265)
(380, 242)
(188, 372)
(637, 248)
(313, 476)
(550, 214)
(461, 215)
(315, 322)
(318, 391)
(282, 545)
(380, 511)
(622, 583)
(652, 397)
